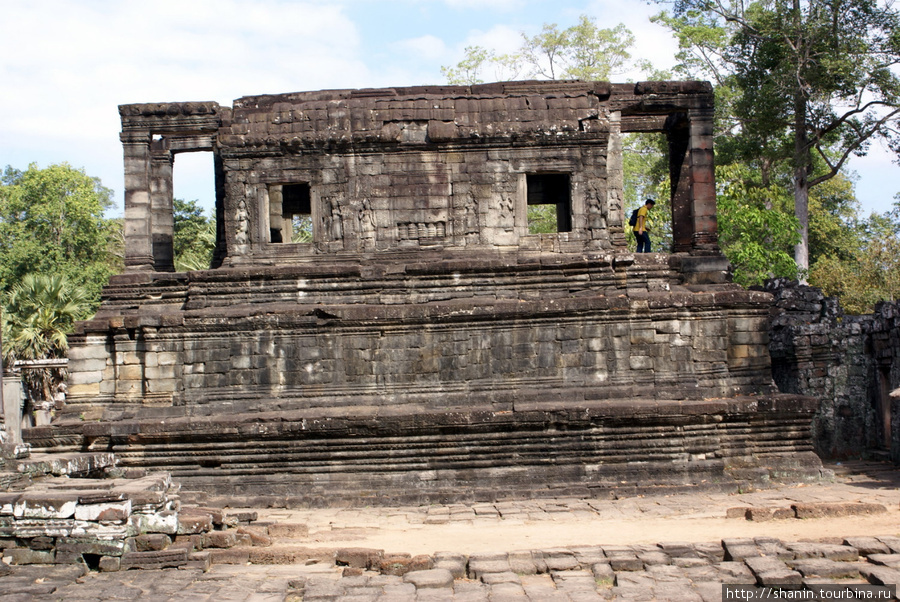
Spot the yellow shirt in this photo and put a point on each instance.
(642, 213)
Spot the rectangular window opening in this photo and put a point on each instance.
(549, 203)
(290, 213)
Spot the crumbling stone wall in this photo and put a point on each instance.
(850, 363)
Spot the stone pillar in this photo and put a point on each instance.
(615, 182)
(692, 172)
(221, 249)
(162, 218)
(680, 177)
(138, 243)
(12, 406)
(705, 238)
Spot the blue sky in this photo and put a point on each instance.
(65, 65)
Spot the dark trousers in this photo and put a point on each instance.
(643, 242)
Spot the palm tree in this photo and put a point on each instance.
(39, 312)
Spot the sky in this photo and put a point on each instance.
(66, 65)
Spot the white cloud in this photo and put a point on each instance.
(499, 5)
(428, 46)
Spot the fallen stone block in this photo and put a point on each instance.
(835, 552)
(243, 517)
(38, 505)
(364, 558)
(155, 522)
(430, 579)
(759, 514)
(891, 541)
(289, 530)
(495, 578)
(734, 572)
(154, 560)
(737, 512)
(198, 560)
(110, 564)
(478, 567)
(603, 572)
(229, 556)
(823, 567)
(770, 546)
(772, 571)
(888, 560)
(190, 542)
(70, 550)
(825, 509)
(151, 542)
(107, 511)
(288, 555)
(29, 556)
(679, 549)
(559, 560)
(867, 545)
(880, 575)
(738, 549)
(194, 523)
(523, 563)
(400, 564)
(219, 539)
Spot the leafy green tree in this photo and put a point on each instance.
(194, 237)
(808, 82)
(52, 222)
(38, 313)
(870, 273)
(583, 51)
(478, 59)
(756, 228)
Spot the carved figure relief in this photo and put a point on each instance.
(332, 222)
(507, 210)
(242, 230)
(366, 224)
(471, 214)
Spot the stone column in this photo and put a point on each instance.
(138, 245)
(615, 182)
(680, 177)
(162, 218)
(705, 239)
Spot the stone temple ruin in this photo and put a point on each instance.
(379, 325)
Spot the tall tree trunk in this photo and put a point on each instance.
(802, 156)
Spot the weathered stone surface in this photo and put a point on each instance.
(867, 545)
(288, 530)
(823, 567)
(771, 572)
(819, 510)
(154, 560)
(430, 579)
(364, 558)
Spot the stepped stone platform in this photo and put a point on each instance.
(382, 321)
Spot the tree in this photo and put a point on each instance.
(38, 313)
(194, 237)
(52, 222)
(809, 82)
(756, 231)
(869, 273)
(583, 51)
(468, 71)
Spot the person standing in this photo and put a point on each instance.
(642, 227)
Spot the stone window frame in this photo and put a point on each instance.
(274, 188)
(564, 225)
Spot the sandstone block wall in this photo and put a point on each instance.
(851, 363)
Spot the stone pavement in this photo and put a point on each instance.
(677, 547)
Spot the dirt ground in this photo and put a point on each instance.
(696, 517)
